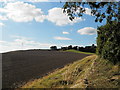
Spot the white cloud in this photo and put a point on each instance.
(88, 11)
(3, 17)
(22, 12)
(62, 38)
(65, 32)
(38, 0)
(57, 16)
(87, 31)
(40, 18)
(20, 37)
(1, 24)
(22, 43)
(25, 12)
(6, 1)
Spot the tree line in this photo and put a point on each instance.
(91, 48)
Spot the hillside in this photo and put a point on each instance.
(90, 72)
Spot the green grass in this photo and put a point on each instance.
(71, 50)
(99, 73)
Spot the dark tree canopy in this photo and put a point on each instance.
(53, 47)
(108, 42)
(101, 10)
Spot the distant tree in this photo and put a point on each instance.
(70, 47)
(81, 48)
(75, 47)
(64, 48)
(93, 45)
(87, 48)
(53, 47)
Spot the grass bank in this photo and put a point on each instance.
(90, 72)
(71, 50)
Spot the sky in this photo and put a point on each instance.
(39, 24)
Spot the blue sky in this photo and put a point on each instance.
(29, 25)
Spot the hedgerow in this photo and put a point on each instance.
(108, 41)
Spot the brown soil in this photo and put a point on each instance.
(22, 66)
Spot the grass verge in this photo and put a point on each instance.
(71, 50)
(90, 72)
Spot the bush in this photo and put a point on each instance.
(108, 41)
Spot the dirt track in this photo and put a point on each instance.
(22, 66)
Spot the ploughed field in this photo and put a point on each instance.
(19, 67)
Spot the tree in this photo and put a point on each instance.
(70, 47)
(108, 40)
(101, 10)
(53, 47)
(75, 47)
(81, 49)
(64, 48)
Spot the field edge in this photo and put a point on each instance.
(91, 72)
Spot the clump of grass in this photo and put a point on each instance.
(90, 72)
